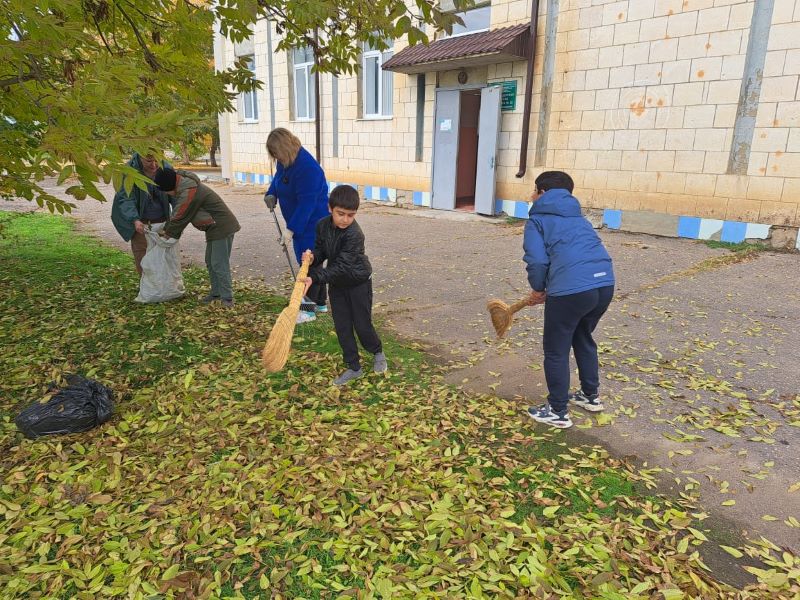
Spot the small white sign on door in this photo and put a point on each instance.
(446, 125)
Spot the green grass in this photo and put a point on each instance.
(396, 481)
(513, 222)
(739, 247)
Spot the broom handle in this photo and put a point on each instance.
(517, 306)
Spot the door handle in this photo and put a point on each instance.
(491, 162)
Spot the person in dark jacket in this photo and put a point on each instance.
(132, 212)
(301, 188)
(570, 271)
(348, 273)
(193, 198)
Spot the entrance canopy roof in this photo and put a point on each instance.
(506, 44)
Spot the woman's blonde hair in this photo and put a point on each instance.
(283, 146)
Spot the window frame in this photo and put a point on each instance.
(304, 69)
(250, 99)
(471, 31)
(368, 53)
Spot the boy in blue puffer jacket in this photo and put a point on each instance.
(570, 271)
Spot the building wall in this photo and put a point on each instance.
(644, 101)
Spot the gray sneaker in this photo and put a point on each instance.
(227, 302)
(380, 365)
(348, 375)
(209, 298)
(591, 403)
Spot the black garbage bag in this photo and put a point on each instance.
(83, 404)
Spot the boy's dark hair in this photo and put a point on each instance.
(165, 179)
(554, 180)
(344, 196)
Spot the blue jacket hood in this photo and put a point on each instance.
(557, 202)
(563, 253)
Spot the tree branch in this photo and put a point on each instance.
(149, 57)
(148, 17)
(102, 37)
(9, 81)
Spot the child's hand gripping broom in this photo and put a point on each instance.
(279, 343)
(503, 315)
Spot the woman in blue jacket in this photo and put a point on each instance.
(301, 188)
(570, 271)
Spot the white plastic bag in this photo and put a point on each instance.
(161, 268)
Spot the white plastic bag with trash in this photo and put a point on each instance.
(161, 268)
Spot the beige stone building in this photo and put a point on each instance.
(676, 116)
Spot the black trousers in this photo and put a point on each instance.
(352, 310)
(318, 293)
(568, 323)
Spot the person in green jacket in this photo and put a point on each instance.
(220, 224)
(131, 213)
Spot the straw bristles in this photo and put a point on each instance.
(276, 350)
(503, 315)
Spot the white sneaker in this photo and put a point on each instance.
(305, 317)
(591, 403)
(545, 414)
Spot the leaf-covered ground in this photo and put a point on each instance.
(215, 480)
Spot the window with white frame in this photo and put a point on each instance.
(377, 84)
(475, 20)
(305, 93)
(249, 100)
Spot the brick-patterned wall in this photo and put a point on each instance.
(644, 103)
(377, 152)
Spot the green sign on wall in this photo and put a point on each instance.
(508, 95)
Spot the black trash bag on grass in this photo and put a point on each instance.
(83, 404)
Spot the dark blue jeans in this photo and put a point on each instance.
(568, 323)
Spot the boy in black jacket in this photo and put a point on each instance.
(348, 274)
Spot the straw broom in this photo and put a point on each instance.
(279, 343)
(503, 315)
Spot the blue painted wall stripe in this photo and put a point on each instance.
(521, 210)
(689, 227)
(733, 232)
(612, 218)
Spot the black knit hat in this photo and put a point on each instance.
(165, 179)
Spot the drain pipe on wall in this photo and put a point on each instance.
(526, 116)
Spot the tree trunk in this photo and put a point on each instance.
(212, 153)
(185, 151)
